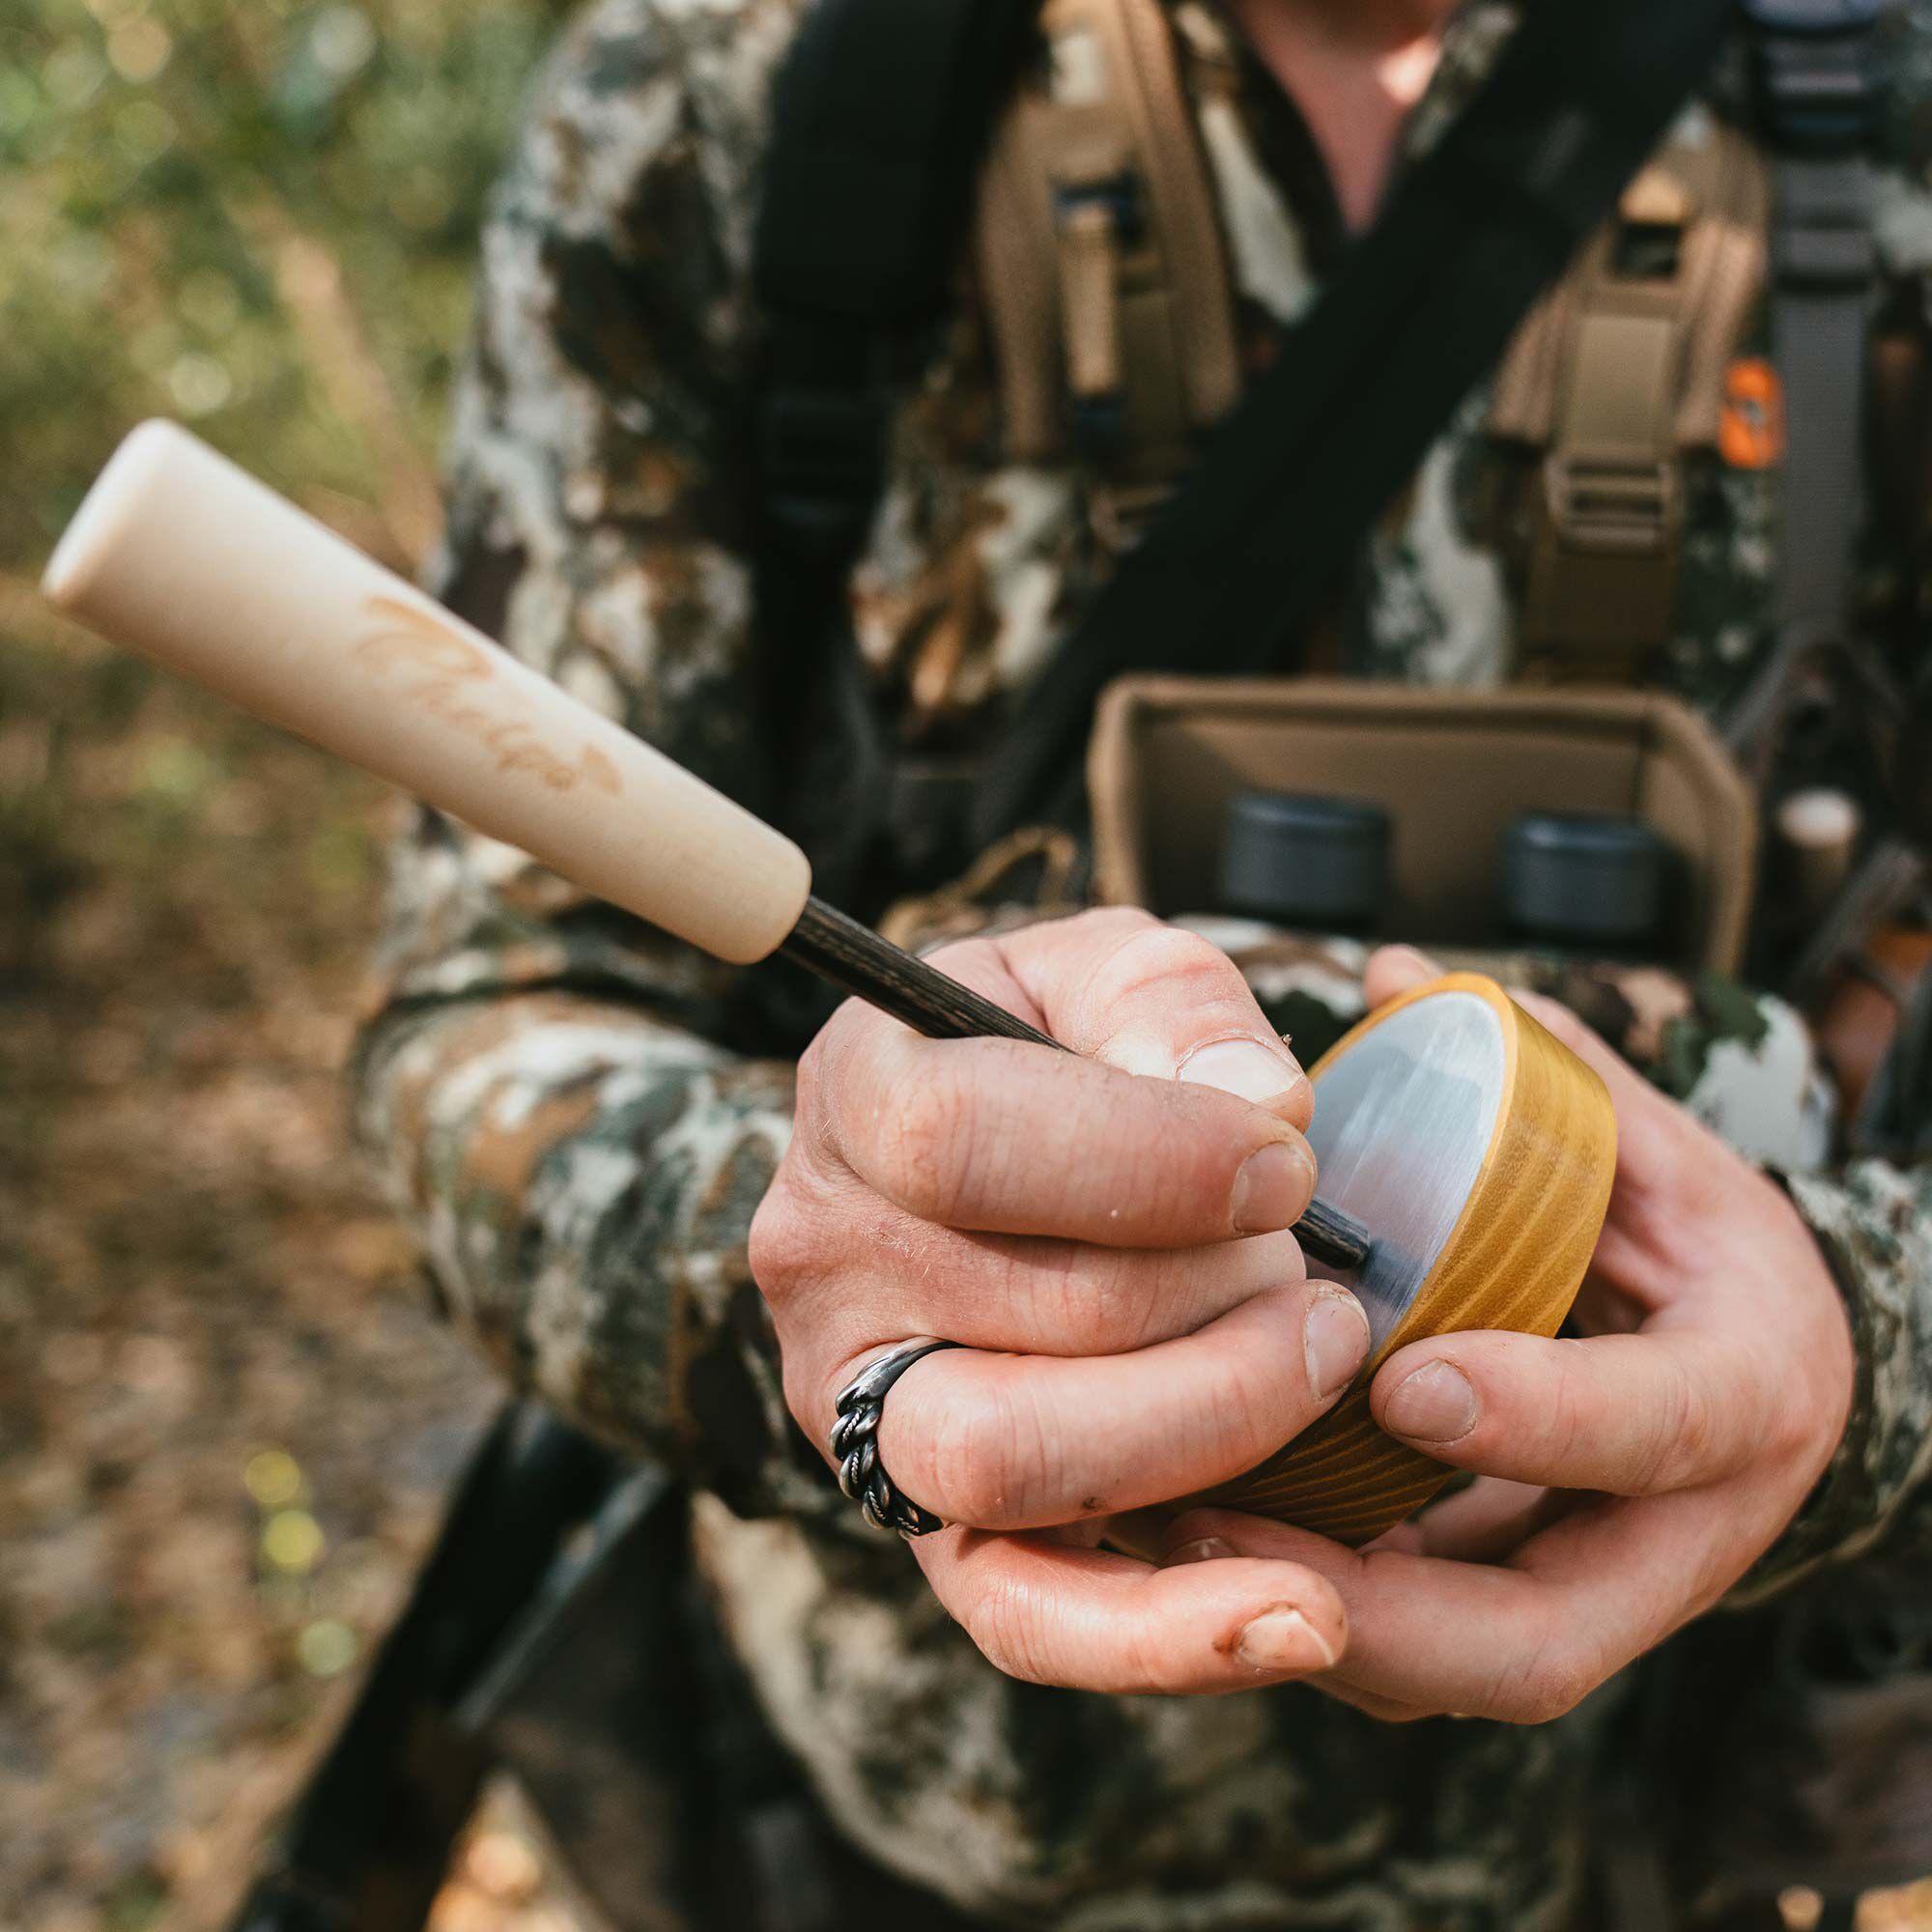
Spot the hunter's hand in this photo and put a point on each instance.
(1107, 1235)
(1664, 1454)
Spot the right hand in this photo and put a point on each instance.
(1106, 1233)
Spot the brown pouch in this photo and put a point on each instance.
(1100, 252)
(1451, 768)
(1617, 375)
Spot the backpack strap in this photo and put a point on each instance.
(1618, 374)
(1101, 261)
(1817, 102)
(1817, 98)
(880, 115)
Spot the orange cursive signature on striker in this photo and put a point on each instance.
(453, 679)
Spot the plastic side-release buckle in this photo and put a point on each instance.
(1813, 16)
(1815, 79)
(1613, 509)
(1824, 240)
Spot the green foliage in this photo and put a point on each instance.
(259, 217)
(154, 157)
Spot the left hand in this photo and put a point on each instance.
(1630, 1478)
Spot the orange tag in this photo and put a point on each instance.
(1751, 433)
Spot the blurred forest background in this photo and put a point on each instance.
(226, 1416)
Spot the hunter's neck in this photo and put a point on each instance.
(1355, 69)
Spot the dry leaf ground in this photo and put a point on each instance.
(227, 1416)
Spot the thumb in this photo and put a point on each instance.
(1395, 970)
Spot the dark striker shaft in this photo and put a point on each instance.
(856, 960)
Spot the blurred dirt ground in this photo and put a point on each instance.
(226, 1416)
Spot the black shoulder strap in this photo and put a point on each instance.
(1816, 100)
(879, 117)
(880, 114)
(1245, 556)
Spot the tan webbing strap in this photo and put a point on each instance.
(1618, 373)
(1101, 256)
(1089, 275)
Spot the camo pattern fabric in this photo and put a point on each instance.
(580, 1117)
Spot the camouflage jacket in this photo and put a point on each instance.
(580, 1117)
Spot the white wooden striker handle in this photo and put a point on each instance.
(180, 555)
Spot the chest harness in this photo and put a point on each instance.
(1609, 258)
(1115, 317)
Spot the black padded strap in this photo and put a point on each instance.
(1816, 104)
(879, 118)
(1824, 264)
(880, 115)
(1245, 557)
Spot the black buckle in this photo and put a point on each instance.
(1814, 72)
(1119, 194)
(1827, 244)
(822, 441)
(1099, 423)
(1814, 16)
(823, 458)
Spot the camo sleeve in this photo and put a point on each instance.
(558, 1099)
(1871, 1517)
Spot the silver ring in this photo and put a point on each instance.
(855, 1444)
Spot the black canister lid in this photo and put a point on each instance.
(1578, 879)
(1305, 861)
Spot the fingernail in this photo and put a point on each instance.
(1208, 1550)
(1335, 1338)
(1273, 1188)
(1418, 961)
(1281, 1640)
(1244, 1068)
(1434, 1405)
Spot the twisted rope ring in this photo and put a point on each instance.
(855, 1444)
